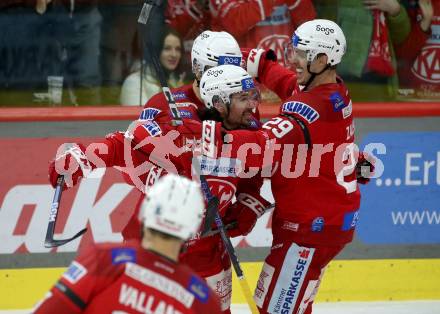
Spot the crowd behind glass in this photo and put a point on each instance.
(90, 52)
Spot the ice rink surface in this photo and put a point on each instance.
(391, 307)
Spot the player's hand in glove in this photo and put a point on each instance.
(254, 58)
(73, 164)
(364, 168)
(245, 212)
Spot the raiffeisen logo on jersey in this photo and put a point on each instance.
(179, 95)
(291, 278)
(229, 60)
(302, 109)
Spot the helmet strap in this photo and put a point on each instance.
(210, 114)
(313, 74)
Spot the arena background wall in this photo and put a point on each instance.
(395, 255)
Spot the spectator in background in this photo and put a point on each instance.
(371, 26)
(78, 29)
(418, 55)
(265, 24)
(25, 49)
(137, 88)
(190, 17)
(61, 42)
(120, 48)
(268, 26)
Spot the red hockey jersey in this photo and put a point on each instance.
(173, 151)
(187, 102)
(312, 168)
(110, 278)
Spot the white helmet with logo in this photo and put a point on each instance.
(320, 36)
(223, 81)
(174, 205)
(214, 48)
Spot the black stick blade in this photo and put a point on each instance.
(49, 243)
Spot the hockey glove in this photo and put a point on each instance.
(73, 164)
(254, 58)
(245, 211)
(364, 168)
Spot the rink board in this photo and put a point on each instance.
(355, 280)
(389, 259)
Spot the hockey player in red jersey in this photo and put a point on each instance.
(308, 151)
(143, 277)
(209, 49)
(163, 148)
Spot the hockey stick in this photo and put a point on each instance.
(144, 18)
(226, 240)
(229, 226)
(213, 202)
(50, 242)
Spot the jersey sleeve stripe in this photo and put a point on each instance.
(70, 294)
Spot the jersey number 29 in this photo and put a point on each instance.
(278, 126)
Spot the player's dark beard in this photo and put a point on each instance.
(211, 114)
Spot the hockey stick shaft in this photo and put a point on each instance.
(227, 242)
(49, 241)
(54, 212)
(144, 17)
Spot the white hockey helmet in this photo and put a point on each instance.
(222, 81)
(320, 36)
(174, 205)
(214, 48)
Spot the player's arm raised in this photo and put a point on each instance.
(75, 161)
(262, 65)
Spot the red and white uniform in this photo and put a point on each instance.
(126, 278)
(207, 256)
(313, 183)
(169, 148)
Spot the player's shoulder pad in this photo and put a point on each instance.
(149, 113)
(156, 101)
(191, 127)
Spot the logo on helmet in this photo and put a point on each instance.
(325, 30)
(214, 73)
(204, 36)
(247, 83)
(229, 60)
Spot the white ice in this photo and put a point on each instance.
(391, 307)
